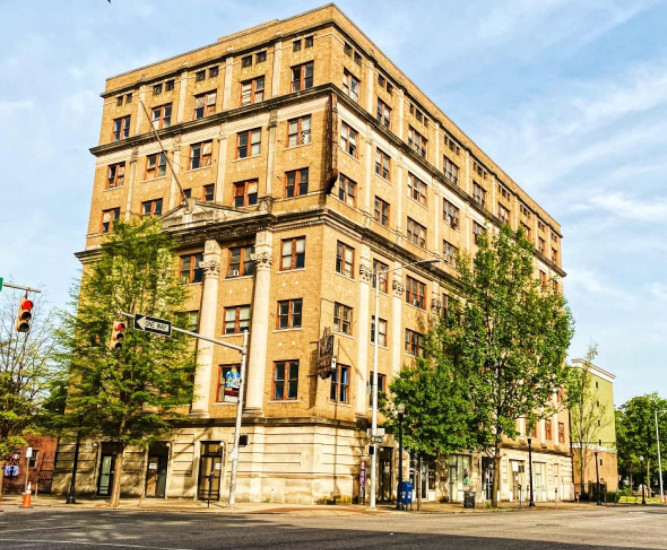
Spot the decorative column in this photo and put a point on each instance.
(259, 328)
(130, 176)
(363, 318)
(207, 322)
(275, 79)
(398, 288)
(182, 90)
(271, 158)
(222, 162)
(229, 65)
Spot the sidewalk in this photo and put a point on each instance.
(183, 505)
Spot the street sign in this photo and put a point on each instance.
(378, 431)
(151, 324)
(1, 280)
(376, 439)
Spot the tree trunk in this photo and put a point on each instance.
(496, 475)
(419, 481)
(2, 477)
(117, 474)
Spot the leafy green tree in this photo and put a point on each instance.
(636, 437)
(507, 338)
(26, 371)
(133, 395)
(587, 417)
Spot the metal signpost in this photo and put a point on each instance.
(163, 327)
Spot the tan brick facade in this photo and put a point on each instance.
(310, 447)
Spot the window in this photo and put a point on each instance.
(554, 255)
(477, 168)
(414, 343)
(200, 75)
(237, 319)
(541, 245)
(381, 269)
(296, 45)
(121, 128)
(382, 385)
(448, 252)
(342, 318)
(289, 314)
(526, 230)
(157, 89)
(453, 146)
(296, 183)
(345, 259)
(445, 304)
(415, 292)
(348, 139)
(115, 175)
(248, 143)
(190, 270)
(347, 49)
(246, 61)
(381, 211)
(169, 85)
(351, 85)
(477, 230)
(524, 210)
(226, 371)
(503, 214)
(187, 193)
(308, 42)
(191, 320)
(561, 432)
(293, 253)
(382, 332)
(451, 170)
(504, 192)
(245, 193)
(119, 101)
(478, 193)
(156, 165)
(302, 77)
(108, 219)
(151, 208)
(416, 142)
(382, 161)
(548, 435)
(416, 233)
(213, 72)
(383, 115)
(347, 191)
(208, 192)
(357, 58)
(540, 226)
(285, 380)
(450, 214)
(298, 131)
(416, 189)
(200, 154)
(340, 384)
(241, 263)
(161, 116)
(205, 104)
(543, 279)
(260, 57)
(252, 91)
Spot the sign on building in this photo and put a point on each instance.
(232, 384)
(325, 351)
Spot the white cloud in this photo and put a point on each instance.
(658, 290)
(8, 107)
(623, 206)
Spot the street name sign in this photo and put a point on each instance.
(151, 324)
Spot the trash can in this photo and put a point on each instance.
(405, 493)
(469, 500)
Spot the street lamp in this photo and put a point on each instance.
(374, 420)
(597, 475)
(641, 461)
(400, 408)
(71, 494)
(530, 472)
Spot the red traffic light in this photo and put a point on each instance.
(119, 326)
(117, 335)
(24, 315)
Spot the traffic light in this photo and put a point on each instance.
(24, 315)
(117, 335)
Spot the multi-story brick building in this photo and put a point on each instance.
(306, 160)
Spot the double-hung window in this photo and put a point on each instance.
(237, 319)
(347, 191)
(191, 272)
(149, 209)
(241, 263)
(156, 165)
(245, 193)
(416, 189)
(252, 91)
(503, 214)
(417, 142)
(351, 85)
(298, 131)
(205, 104)
(450, 214)
(348, 139)
(450, 170)
(477, 230)
(415, 292)
(302, 77)
(382, 164)
(340, 384)
(382, 331)
(414, 343)
(448, 252)
(478, 193)
(289, 313)
(248, 143)
(344, 259)
(285, 380)
(296, 183)
(293, 253)
(383, 115)
(200, 154)
(115, 175)
(108, 218)
(381, 211)
(161, 117)
(342, 320)
(380, 268)
(416, 233)
(121, 128)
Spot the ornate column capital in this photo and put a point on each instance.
(210, 268)
(366, 274)
(398, 287)
(263, 261)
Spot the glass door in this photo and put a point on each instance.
(210, 468)
(156, 475)
(105, 482)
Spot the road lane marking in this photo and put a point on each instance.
(93, 543)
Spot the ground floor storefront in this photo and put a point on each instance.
(302, 461)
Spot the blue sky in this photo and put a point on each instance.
(569, 97)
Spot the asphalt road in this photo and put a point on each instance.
(597, 528)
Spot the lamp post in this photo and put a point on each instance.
(374, 419)
(530, 472)
(597, 475)
(657, 438)
(641, 461)
(71, 494)
(401, 411)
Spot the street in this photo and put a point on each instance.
(68, 528)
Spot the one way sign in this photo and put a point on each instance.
(151, 324)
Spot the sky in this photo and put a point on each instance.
(568, 97)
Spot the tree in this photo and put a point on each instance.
(26, 370)
(507, 338)
(636, 437)
(133, 395)
(587, 417)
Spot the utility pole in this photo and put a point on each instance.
(657, 438)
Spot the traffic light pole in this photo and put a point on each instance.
(19, 287)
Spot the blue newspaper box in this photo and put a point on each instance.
(405, 490)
